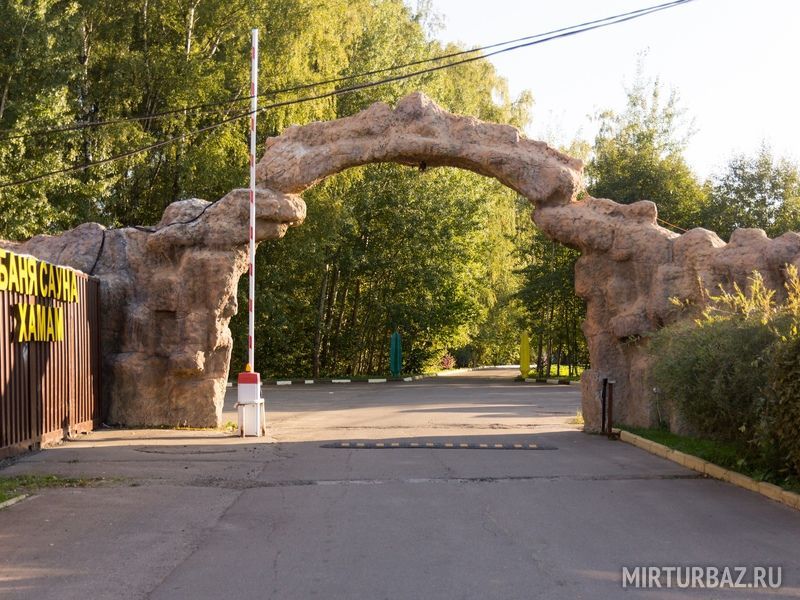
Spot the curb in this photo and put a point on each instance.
(12, 501)
(406, 379)
(370, 380)
(551, 381)
(769, 490)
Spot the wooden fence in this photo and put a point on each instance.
(50, 387)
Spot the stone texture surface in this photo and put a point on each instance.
(418, 131)
(167, 295)
(629, 270)
(168, 292)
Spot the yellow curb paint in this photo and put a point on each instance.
(742, 481)
(790, 499)
(695, 464)
(768, 490)
(682, 458)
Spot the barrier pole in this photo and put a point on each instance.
(250, 405)
(251, 321)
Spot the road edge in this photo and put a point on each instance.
(12, 501)
(769, 490)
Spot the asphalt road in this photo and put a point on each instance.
(205, 515)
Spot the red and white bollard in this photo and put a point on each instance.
(250, 404)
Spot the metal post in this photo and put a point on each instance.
(251, 323)
(603, 405)
(610, 427)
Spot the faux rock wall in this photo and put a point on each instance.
(167, 295)
(168, 292)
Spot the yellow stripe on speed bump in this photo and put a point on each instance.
(437, 446)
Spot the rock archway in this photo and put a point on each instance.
(169, 291)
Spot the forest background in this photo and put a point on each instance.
(448, 258)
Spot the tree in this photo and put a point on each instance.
(638, 155)
(755, 191)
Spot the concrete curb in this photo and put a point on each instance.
(773, 492)
(338, 381)
(373, 380)
(12, 501)
(551, 381)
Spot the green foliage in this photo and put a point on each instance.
(780, 437)
(755, 191)
(638, 155)
(553, 311)
(11, 487)
(724, 454)
(732, 373)
(383, 247)
(714, 372)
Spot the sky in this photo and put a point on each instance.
(733, 63)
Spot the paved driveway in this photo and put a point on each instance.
(553, 514)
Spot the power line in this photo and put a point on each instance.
(341, 92)
(579, 28)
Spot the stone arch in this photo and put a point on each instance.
(168, 292)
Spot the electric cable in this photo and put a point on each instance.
(12, 134)
(340, 92)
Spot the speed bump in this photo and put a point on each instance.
(436, 446)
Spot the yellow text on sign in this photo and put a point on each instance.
(38, 323)
(27, 275)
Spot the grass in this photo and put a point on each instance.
(577, 419)
(556, 373)
(724, 454)
(11, 487)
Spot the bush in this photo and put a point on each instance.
(734, 374)
(780, 436)
(713, 372)
(448, 361)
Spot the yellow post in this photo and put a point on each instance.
(524, 355)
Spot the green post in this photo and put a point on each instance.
(524, 355)
(396, 355)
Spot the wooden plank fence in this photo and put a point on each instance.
(49, 390)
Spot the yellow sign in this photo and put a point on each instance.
(39, 323)
(31, 277)
(27, 275)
